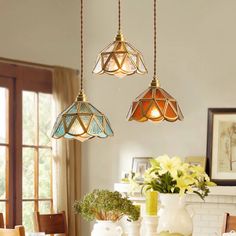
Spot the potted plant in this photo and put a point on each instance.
(107, 208)
(173, 179)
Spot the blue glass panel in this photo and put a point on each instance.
(85, 120)
(94, 129)
(102, 135)
(94, 110)
(72, 109)
(68, 119)
(69, 136)
(84, 108)
(100, 120)
(108, 129)
(60, 131)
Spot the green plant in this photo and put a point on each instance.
(171, 175)
(106, 205)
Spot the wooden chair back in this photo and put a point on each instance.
(229, 223)
(50, 223)
(1, 220)
(18, 231)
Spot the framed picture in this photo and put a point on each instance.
(221, 145)
(197, 161)
(140, 165)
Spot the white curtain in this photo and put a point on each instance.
(66, 153)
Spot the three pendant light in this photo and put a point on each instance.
(82, 121)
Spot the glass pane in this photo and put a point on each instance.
(2, 172)
(29, 117)
(28, 209)
(45, 119)
(28, 172)
(3, 209)
(4, 114)
(45, 207)
(45, 157)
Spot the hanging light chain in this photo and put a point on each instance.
(81, 46)
(119, 15)
(155, 38)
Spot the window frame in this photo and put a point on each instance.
(18, 78)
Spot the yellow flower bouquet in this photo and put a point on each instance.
(171, 175)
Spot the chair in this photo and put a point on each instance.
(51, 223)
(229, 223)
(18, 231)
(1, 220)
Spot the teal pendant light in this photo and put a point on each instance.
(81, 120)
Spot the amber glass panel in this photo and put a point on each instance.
(161, 105)
(28, 172)
(29, 117)
(170, 112)
(138, 114)
(146, 105)
(159, 95)
(148, 94)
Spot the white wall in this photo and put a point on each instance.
(40, 31)
(196, 64)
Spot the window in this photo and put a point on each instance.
(4, 149)
(36, 155)
(25, 143)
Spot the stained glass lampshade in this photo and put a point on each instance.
(81, 121)
(120, 58)
(156, 105)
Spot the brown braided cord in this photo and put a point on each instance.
(81, 46)
(155, 38)
(119, 15)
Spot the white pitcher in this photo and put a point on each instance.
(133, 228)
(173, 216)
(106, 228)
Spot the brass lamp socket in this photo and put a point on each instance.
(81, 96)
(119, 37)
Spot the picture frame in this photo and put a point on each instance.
(196, 160)
(221, 145)
(140, 165)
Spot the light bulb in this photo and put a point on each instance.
(77, 129)
(155, 113)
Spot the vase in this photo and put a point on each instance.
(174, 220)
(149, 226)
(133, 228)
(106, 228)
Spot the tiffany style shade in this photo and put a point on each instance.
(120, 58)
(81, 121)
(156, 105)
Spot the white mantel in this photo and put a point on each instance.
(217, 190)
(207, 214)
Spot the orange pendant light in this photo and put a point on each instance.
(155, 104)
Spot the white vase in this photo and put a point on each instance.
(173, 216)
(133, 228)
(149, 226)
(106, 228)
